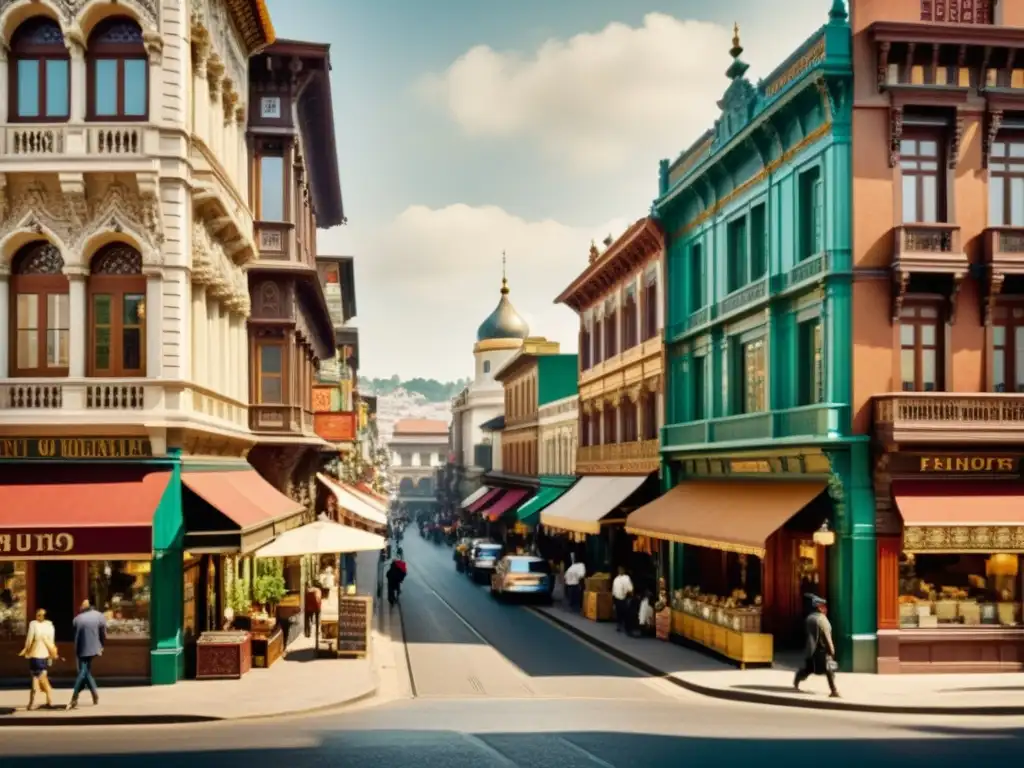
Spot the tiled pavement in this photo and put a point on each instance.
(297, 683)
(948, 694)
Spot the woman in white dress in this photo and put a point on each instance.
(40, 650)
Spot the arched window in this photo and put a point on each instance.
(42, 312)
(117, 312)
(118, 71)
(487, 366)
(40, 80)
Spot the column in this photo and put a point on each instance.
(200, 91)
(229, 159)
(242, 159)
(5, 304)
(167, 659)
(77, 347)
(215, 350)
(4, 84)
(199, 374)
(154, 326)
(79, 92)
(216, 76)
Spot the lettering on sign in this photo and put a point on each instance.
(75, 448)
(34, 544)
(981, 464)
(758, 466)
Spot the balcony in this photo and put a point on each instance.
(940, 417)
(635, 354)
(335, 427)
(931, 248)
(46, 147)
(1004, 256)
(636, 457)
(73, 402)
(809, 422)
(740, 299)
(273, 240)
(283, 419)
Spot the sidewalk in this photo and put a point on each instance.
(946, 694)
(297, 684)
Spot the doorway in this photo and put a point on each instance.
(55, 591)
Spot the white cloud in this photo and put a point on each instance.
(429, 278)
(600, 101)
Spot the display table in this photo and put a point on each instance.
(743, 647)
(267, 647)
(223, 655)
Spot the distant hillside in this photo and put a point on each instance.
(433, 391)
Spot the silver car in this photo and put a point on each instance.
(482, 560)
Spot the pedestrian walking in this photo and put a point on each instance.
(622, 588)
(90, 635)
(820, 652)
(573, 581)
(41, 651)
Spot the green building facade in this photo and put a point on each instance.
(757, 216)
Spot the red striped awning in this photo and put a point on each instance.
(484, 501)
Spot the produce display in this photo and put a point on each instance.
(736, 612)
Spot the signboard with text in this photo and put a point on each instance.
(42, 543)
(72, 448)
(955, 464)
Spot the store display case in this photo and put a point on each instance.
(730, 626)
(223, 655)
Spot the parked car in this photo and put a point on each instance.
(523, 575)
(482, 559)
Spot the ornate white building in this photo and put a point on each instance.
(498, 339)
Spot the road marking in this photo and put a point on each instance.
(584, 753)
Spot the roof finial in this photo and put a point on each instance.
(504, 279)
(838, 12)
(736, 39)
(738, 68)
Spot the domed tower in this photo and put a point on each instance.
(498, 338)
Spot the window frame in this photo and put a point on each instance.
(611, 330)
(609, 425)
(918, 135)
(650, 315)
(630, 317)
(649, 411)
(696, 266)
(911, 315)
(277, 148)
(1003, 317)
(281, 376)
(20, 51)
(998, 169)
(737, 247)
(42, 286)
(811, 362)
(812, 213)
(750, 390)
(97, 51)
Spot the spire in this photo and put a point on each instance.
(738, 67)
(838, 13)
(504, 279)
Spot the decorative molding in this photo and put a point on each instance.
(954, 140)
(900, 281)
(993, 288)
(69, 12)
(963, 538)
(993, 122)
(214, 268)
(895, 135)
(954, 295)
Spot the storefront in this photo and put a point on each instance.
(752, 537)
(550, 490)
(950, 541)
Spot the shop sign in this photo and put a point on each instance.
(954, 464)
(751, 467)
(75, 448)
(72, 542)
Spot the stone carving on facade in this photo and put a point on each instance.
(212, 267)
(69, 15)
(269, 299)
(212, 24)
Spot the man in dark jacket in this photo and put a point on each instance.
(820, 651)
(90, 634)
(395, 577)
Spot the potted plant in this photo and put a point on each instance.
(269, 586)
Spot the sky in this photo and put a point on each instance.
(468, 128)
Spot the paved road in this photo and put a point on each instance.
(499, 686)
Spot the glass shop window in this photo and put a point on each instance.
(953, 590)
(13, 599)
(120, 589)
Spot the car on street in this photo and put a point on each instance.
(523, 575)
(482, 559)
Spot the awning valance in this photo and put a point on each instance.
(581, 508)
(529, 512)
(509, 500)
(956, 516)
(475, 496)
(352, 501)
(735, 517)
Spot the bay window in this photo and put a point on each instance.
(117, 312)
(270, 368)
(40, 79)
(41, 309)
(118, 71)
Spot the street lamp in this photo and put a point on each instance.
(824, 536)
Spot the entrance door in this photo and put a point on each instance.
(55, 591)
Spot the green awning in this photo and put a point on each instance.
(528, 513)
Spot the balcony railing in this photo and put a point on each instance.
(634, 456)
(740, 298)
(115, 401)
(280, 419)
(1004, 249)
(35, 141)
(335, 427)
(272, 239)
(936, 417)
(821, 421)
(928, 248)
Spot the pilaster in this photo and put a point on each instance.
(167, 659)
(200, 374)
(200, 89)
(5, 315)
(214, 349)
(215, 75)
(77, 342)
(154, 324)
(5, 79)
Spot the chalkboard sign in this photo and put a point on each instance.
(354, 624)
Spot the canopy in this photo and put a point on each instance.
(594, 496)
(961, 516)
(546, 496)
(505, 503)
(323, 537)
(474, 497)
(352, 501)
(484, 501)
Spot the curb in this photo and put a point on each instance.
(751, 697)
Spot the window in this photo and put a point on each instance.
(649, 404)
(920, 361)
(1008, 349)
(611, 331)
(737, 244)
(696, 275)
(751, 377)
(120, 590)
(630, 313)
(39, 86)
(598, 340)
(487, 366)
(42, 313)
(610, 425)
(271, 375)
(758, 242)
(812, 213)
(810, 378)
(585, 345)
(698, 384)
(1006, 183)
(923, 190)
(13, 599)
(630, 427)
(118, 71)
(117, 312)
(954, 590)
(271, 188)
(650, 305)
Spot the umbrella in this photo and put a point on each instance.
(321, 538)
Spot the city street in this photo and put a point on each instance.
(498, 685)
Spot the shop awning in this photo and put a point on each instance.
(528, 513)
(257, 510)
(580, 509)
(961, 516)
(485, 500)
(476, 495)
(735, 517)
(111, 518)
(510, 499)
(352, 501)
